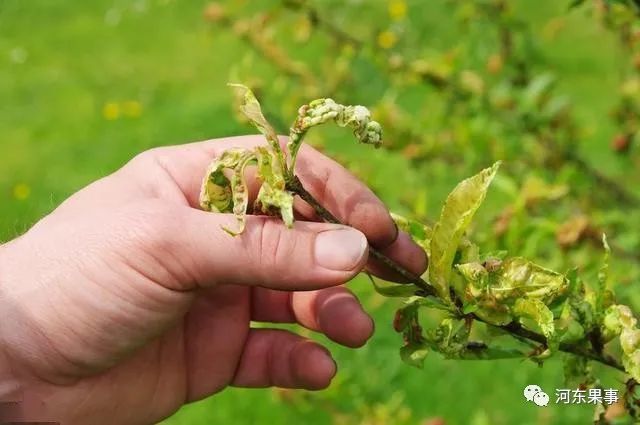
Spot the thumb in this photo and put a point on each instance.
(307, 256)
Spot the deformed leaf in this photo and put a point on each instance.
(536, 311)
(219, 194)
(240, 193)
(619, 321)
(321, 111)
(456, 216)
(616, 318)
(630, 343)
(216, 192)
(520, 277)
(273, 198)
(250, 107)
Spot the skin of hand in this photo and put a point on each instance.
(127, 301)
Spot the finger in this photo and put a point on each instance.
(405, 253)
(214, 332)
(176, 172)
(335, 312)
(304, 257)
(278, 358)
(330, 183)
(346, 197)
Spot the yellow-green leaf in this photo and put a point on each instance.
(250, 107)
(456, 216)
(536, 311)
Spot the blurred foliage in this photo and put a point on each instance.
(551, 88)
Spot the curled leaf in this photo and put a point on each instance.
(250, 107)
(619, 321)
(519, 277)
(216, 191)
(321, 111)
(219, 194)
(240, 194)
(535, 310)
(273, 198)
(456, 216)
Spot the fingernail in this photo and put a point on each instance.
(340, 249)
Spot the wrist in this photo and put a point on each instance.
(10, 387)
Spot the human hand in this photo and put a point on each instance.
(127, 301)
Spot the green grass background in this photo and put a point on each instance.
(62, 61)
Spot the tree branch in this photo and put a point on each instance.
(295, 185)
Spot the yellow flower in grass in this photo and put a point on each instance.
(21, 191)
(111, 111)
(387, 39)
(397, 10)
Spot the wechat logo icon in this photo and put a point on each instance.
(533, 393)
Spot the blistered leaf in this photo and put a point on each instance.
(215, 194)
(250, 107)
(535, 310)
(619, 320)
(240, 194)
(273, 198)
(457, 213)
(616, 318)
(630, 343)
(321, 111)
(475, 273)
(492, 311)
(519, 277)
(219, 194)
